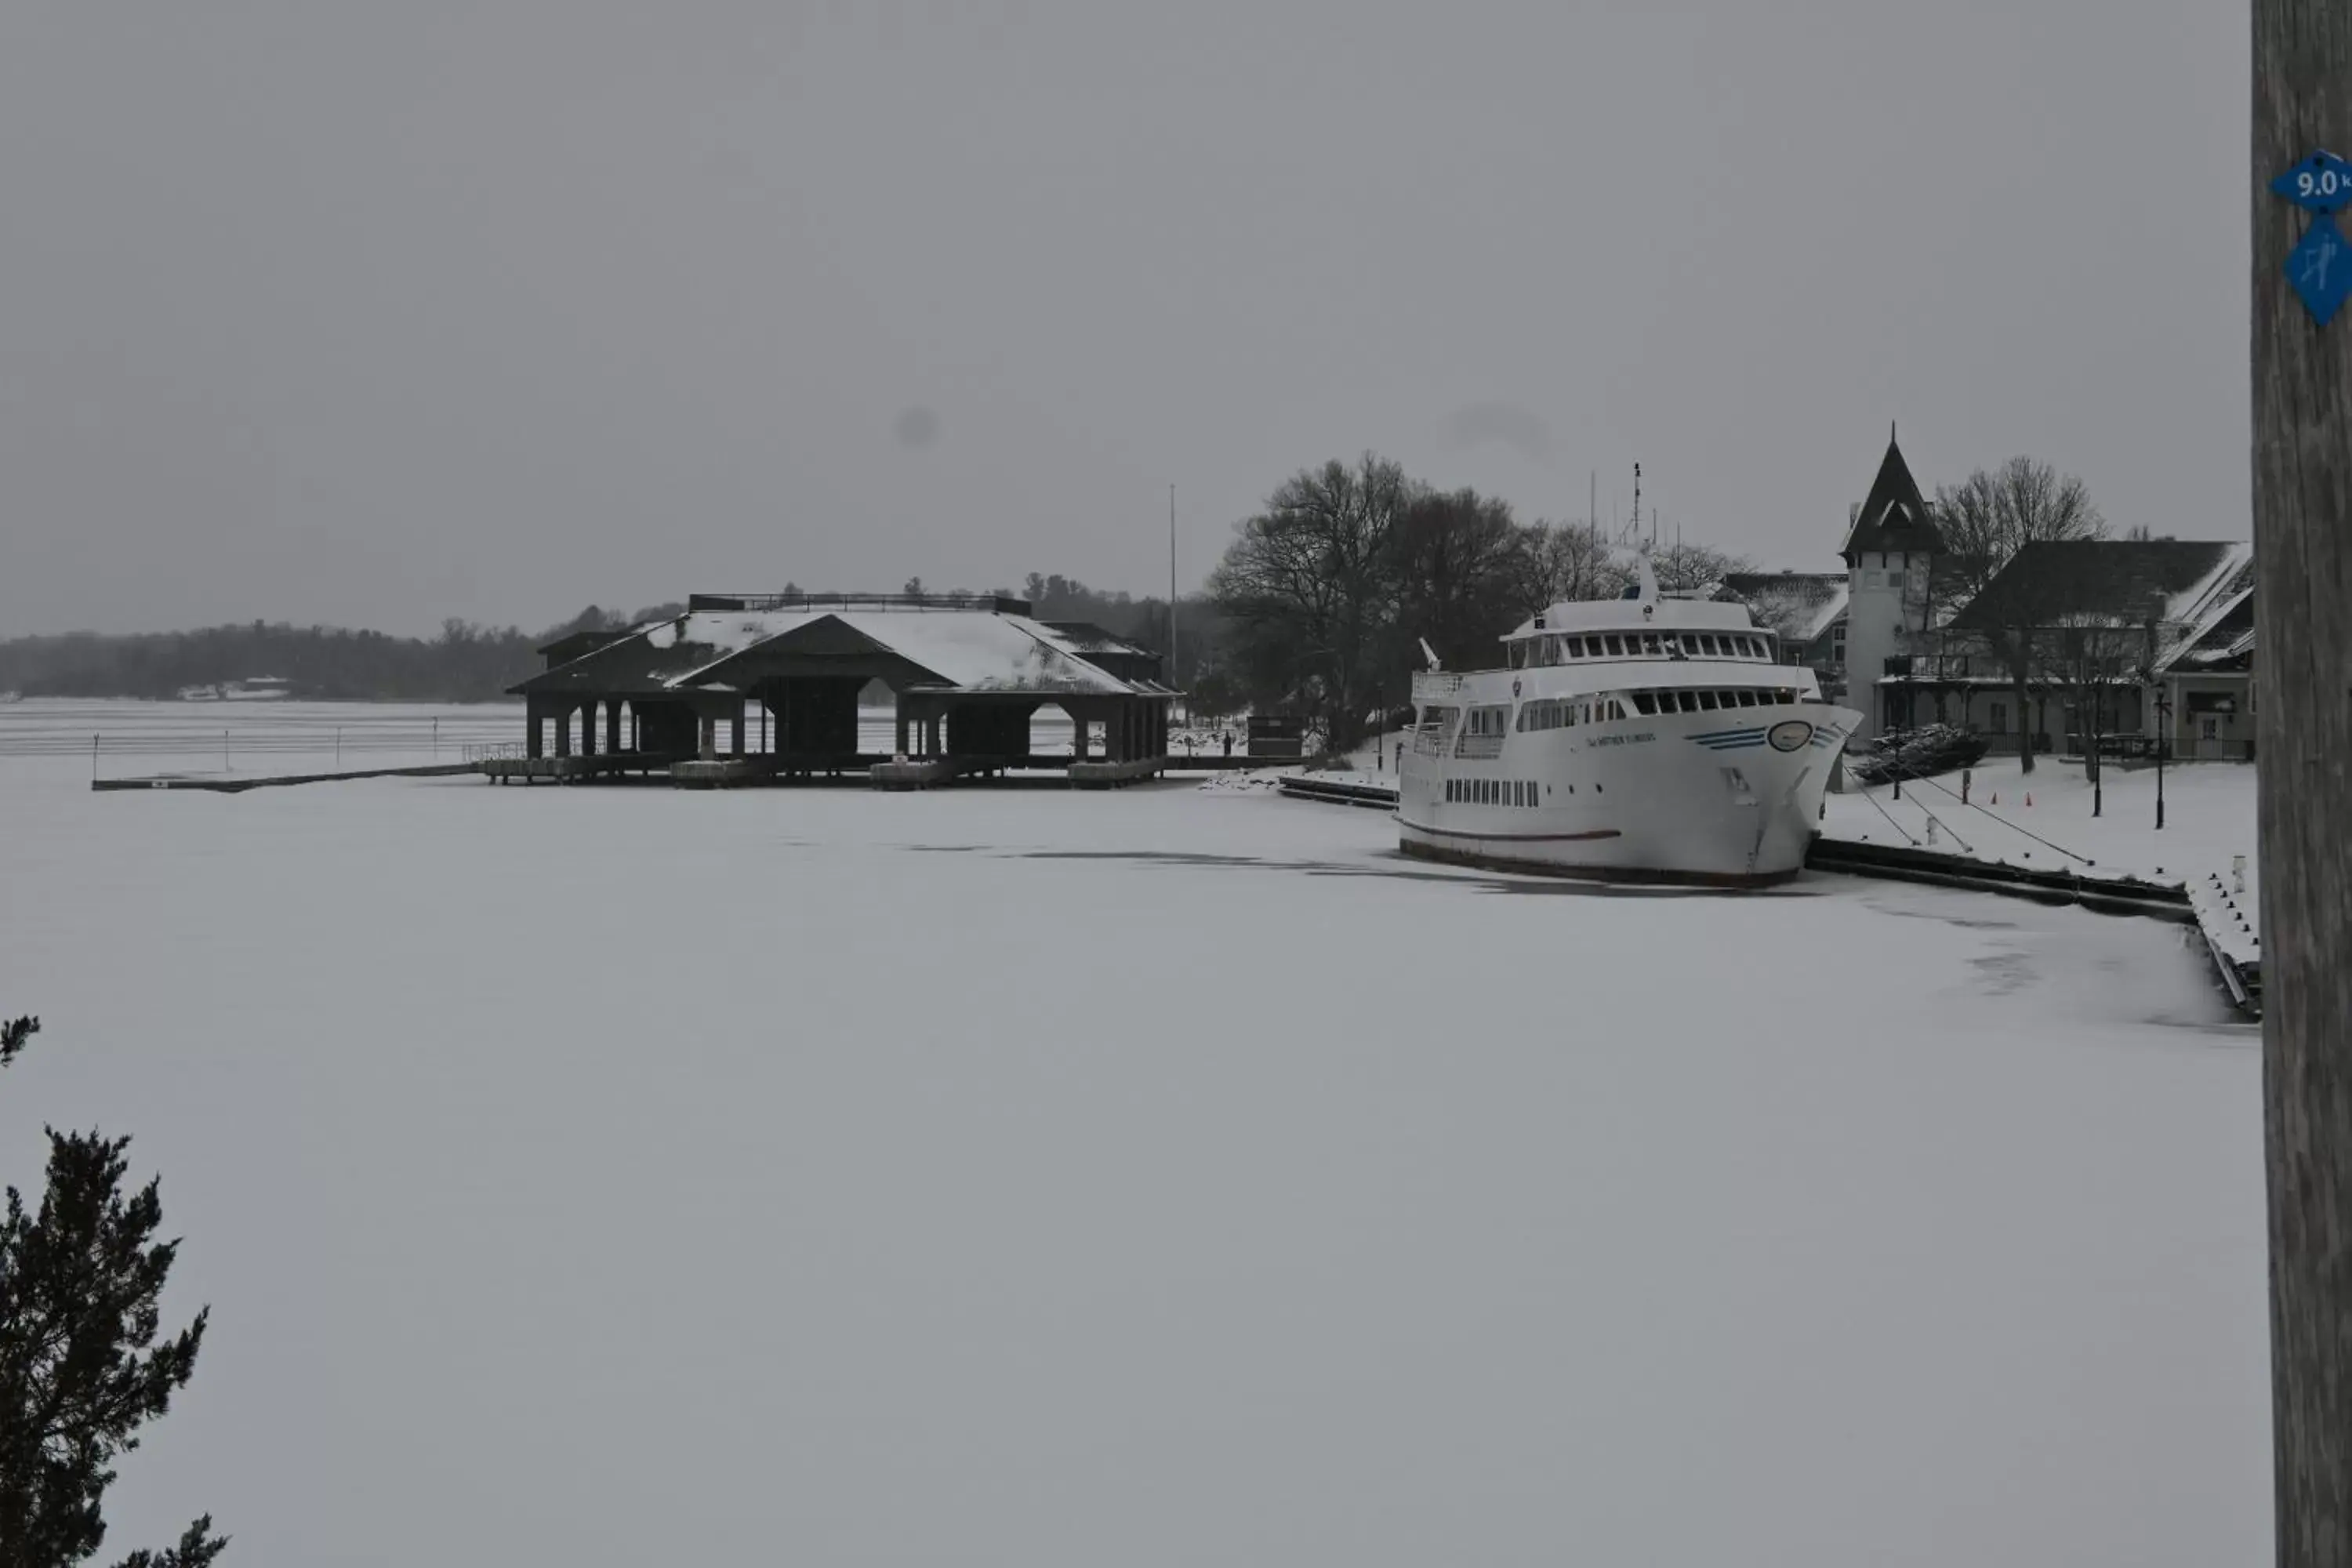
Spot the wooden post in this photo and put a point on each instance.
(2303, 652)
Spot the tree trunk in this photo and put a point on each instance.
(2302, 496)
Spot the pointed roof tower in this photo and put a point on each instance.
(1895, 517)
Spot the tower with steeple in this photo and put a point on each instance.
(1891, 543)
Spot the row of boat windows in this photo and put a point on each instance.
(1683, 699)
(1558, 648)
(1562, 712)
(1497, 792)
(1559, 712)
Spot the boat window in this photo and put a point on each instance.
(1651, 645)
(1706, 701)
(1687, 701)
(1615, 646)
(1645, 701)
(1616, 709)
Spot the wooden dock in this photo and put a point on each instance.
(223, 784)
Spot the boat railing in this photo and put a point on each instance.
(1436, 685)
(1479, 746)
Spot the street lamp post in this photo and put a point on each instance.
(2163, 744)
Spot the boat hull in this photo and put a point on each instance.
(1725, 799)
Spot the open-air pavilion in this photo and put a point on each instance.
(967, 673)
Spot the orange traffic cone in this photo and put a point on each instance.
(2029, 799)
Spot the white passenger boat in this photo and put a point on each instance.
(1644, 739)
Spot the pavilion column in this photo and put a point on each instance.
(707, 740)
(563, 733)
(588, 729)
(735, 733)
(613, 725)
(535, 739)
(1077, 732)
(902, 751)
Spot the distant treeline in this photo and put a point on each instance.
(466, 663)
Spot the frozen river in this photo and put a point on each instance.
(1173, 1177)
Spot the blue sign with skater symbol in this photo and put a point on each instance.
(2321, 183)
(2319, 268)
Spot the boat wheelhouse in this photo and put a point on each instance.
(1641, 739)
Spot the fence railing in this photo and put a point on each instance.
(162, 730)
(1436, 685)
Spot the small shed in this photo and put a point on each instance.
(1277, 735)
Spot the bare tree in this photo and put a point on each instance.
(1993, 513)
(1564, 562)
(1308, 586)
(1458, 564)
(1985, 521)
(1683, 568)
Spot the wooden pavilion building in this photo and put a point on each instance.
(967, 673)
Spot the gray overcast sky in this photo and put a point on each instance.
(374, 314)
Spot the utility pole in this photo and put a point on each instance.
(1171, 585)
(2303, 643)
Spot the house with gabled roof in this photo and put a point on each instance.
(2139, 640)
(2143, 640)
(967, 673)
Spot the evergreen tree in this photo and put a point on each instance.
(80, 1370)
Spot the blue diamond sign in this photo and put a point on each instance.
(2321, 183)
(2319, 268)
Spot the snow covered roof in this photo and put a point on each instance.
(1800, 605)
(988, 652)
(954, 649)
(2175, 585)
(2222, 639)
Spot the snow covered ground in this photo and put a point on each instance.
(2209, 823)
(1164, 1176)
